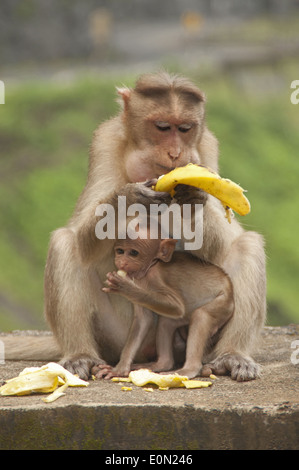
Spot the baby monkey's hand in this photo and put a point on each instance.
(117, 282)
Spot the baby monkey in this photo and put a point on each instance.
(181, 289)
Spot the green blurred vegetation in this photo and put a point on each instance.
(45, 132)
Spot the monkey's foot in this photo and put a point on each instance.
(80, 364)
(143, 365)
(101, 370)
(240, 368)
(104, 371)
(189, 372)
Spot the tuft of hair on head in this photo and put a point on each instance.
(161, 83)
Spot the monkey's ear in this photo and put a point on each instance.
(202, 96)
(125, 94)
(166, 249)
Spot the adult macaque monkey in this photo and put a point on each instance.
(178, 286)
(161, 126)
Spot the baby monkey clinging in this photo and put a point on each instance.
(179, 288)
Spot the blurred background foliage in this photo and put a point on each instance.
(54, 101)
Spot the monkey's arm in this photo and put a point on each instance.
(218, 233)
(158, 297)
(131, 193)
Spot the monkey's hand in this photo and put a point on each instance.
(118, 284)
(185, 194)
(150, 183)
(142, 193)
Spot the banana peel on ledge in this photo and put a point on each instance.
(51, 378)
(229, 193)
(143, 377)
(54, 379)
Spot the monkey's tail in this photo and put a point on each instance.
(38, 346)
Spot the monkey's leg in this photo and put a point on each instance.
(202, 326)
(142, 321)
(72, 298)
(245, 264)
(164, 343)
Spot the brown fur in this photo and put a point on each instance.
(91, 326)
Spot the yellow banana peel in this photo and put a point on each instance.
(196, 383)
(44, 382)
(229, 193)
(142, 377)
(45, 379)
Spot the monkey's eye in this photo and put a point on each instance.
(162, 126)
(134, 253)
(185, 127)
(119, 251)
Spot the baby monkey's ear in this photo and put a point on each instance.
(166, 249)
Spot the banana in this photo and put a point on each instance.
(229, 193)
(142, 377)
(121, 273)
(51, 377)
(196, 383)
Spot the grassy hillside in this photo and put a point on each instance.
(45, 131)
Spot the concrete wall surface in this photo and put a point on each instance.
(260, 414)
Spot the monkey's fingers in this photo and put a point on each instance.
(113, 276)
(150, 183)
(109, 275)
(186, 194)
(146, 194)
(103, 366)
(113, 280)
(108, 372)
(95, 369)
(104, 371)
(110, 286)
(110, 290)
(209, 369)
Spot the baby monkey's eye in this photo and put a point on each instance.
(119, 251)
(134, 253)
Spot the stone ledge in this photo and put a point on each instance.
(262, 414)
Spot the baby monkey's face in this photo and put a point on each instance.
(135, 256)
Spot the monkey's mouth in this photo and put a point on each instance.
(166, 169)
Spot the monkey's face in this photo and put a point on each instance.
(127, 260)
(135, 257)
(166, 136)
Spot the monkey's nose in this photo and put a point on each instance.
(174, 154)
